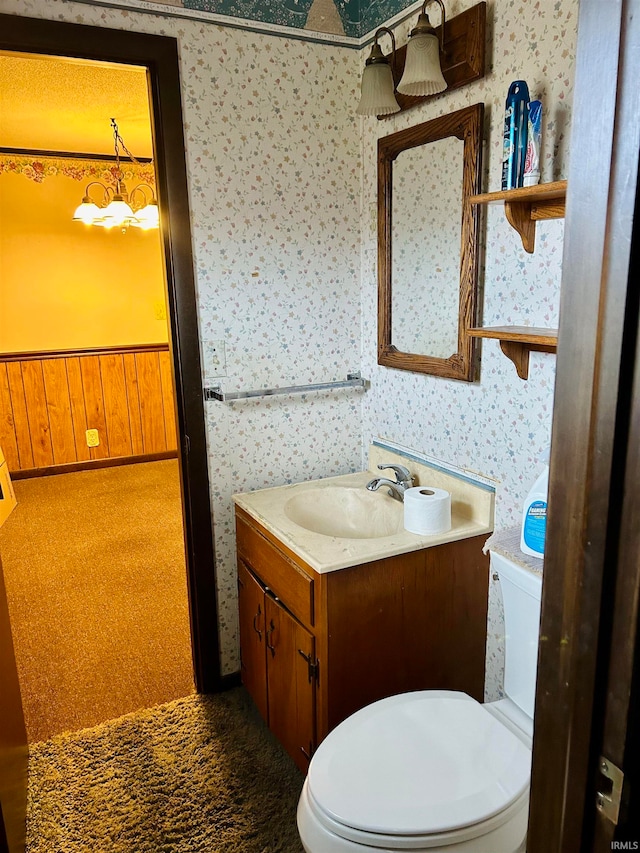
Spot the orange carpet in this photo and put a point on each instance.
(96, 584)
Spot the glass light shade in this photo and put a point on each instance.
(148, 217)
(377, 95)
(87, 212)
(116, 212)
(422, 73)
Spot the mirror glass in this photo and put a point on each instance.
(428, 245)
(425, 264)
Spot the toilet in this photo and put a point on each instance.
(434, 769)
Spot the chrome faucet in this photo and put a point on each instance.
(396, 488)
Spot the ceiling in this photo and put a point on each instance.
(60, 104)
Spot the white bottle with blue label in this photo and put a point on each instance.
(534, 516)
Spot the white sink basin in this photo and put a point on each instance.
(346, 512)
(336, 523)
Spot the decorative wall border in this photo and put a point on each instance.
(39, 168)
(360, 18)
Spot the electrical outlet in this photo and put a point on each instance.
(93, 439)
(215, 360)
(160, 309)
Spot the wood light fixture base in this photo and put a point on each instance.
(464, 55)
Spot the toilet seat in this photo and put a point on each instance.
(426, 765)
(505, 831)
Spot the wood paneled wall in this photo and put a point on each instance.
(49, 400)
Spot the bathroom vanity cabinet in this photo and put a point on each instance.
(316, 647)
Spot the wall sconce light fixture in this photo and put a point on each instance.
(116, 207)
(432, 61)
(377, 88)
(422, 71)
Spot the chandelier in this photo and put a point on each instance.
(116, 207)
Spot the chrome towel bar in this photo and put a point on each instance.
(353, 380)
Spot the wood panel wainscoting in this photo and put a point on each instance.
(48, 401)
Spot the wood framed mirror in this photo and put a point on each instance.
(428, 239)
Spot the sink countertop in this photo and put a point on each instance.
(471, 515)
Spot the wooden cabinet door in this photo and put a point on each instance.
(251, 606)
(291, 683)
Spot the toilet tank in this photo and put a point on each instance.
(521, 593)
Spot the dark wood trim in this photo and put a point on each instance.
(581, 559)
(615, 725)
(39, 355)
(14, 750)
(67, 155)
(465, 124)
(89, 464)
(4, 844)
(228, 682)
(172, 184)
(159, 54)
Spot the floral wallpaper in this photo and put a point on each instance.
(498, 426)
(283, 196)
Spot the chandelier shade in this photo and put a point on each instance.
(377, 88)
(87, 211)
(148, 217)
(117, 208)
(377, 97)
(117, 212)
(422, 75)
(422, 71)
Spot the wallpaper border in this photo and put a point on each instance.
(392, 19)
(161, 10)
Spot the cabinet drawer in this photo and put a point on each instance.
(290, 584)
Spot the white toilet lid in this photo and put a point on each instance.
(419, 763)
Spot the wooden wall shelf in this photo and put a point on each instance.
(525, 206)
(516, 342)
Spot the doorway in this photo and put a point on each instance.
(158, 55)
(84, 352)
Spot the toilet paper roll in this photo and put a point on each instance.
(427, 510)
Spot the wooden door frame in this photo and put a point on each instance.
(585, 568)
(159, 54)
